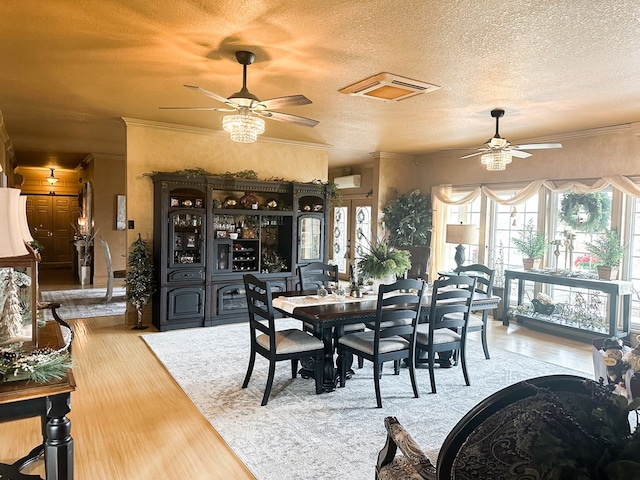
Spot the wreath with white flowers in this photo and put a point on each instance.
(586, 212)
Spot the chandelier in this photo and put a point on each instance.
(52, 178)
(243, 127)
(496, 161)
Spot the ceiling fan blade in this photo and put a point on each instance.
(537, 146)
(199, 108)
(518, 153)
(287, 117)
(215, 96)
(281, 102)
(481, 151)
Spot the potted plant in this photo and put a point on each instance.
(139, 279)
(531, 243)
(608, 252)
(383, 263)
(408, 220)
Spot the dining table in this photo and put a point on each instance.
(328, 315)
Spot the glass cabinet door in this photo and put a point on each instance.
(186, 238)
(310, 240)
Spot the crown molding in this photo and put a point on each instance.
(220, 133)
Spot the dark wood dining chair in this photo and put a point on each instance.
(446, 330)
(393, 336)
(313, 275)
(484, 285)
(277, 345)
(316, 274)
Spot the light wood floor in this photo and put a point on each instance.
(131, 421)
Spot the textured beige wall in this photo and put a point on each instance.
(166, 148)
(109, 180)
(592, 154)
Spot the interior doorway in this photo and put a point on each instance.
(352, 232)
(51, 219)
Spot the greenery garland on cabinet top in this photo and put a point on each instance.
(408, 219)
(585, 212)
(331, 188)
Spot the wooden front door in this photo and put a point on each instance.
(51, 219)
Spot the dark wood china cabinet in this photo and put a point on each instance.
(210, 231)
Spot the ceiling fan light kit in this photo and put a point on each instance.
(498, 152)
(245, 125)
(495, 161)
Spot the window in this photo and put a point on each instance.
(469, 214)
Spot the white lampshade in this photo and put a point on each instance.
(11, 241)
(22, 216)
(460, 234)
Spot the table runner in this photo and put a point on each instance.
(288, 304)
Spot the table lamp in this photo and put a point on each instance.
(460, 234)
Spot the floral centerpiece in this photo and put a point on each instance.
(40, 365)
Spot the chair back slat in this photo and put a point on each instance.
(451, 296)
(260, 306)
(399, 304)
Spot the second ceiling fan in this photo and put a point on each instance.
(497, 151)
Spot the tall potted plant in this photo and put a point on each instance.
(139, 279)
(608, 252)
(531, 243)
(408, 220)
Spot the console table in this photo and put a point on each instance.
(616, 290)
(49, 401)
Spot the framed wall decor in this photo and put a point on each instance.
(121, 212)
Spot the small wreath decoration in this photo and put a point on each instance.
(586, 212)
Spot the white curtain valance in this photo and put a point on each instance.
(442, 195)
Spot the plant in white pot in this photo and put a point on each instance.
(531, 243)
(383, 262)
(608, 252)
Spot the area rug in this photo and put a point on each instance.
(86, 303)
(300, 435)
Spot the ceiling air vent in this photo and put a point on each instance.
(388, 87)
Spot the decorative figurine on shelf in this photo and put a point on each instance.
(139, 279)
(11, 316)
(612, 348)
(632, 358)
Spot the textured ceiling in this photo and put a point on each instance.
(72, 69)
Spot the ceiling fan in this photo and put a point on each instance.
(249, 107)
(497, 151)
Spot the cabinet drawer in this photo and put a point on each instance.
(195, 274)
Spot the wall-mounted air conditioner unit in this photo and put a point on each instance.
(350, 181)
